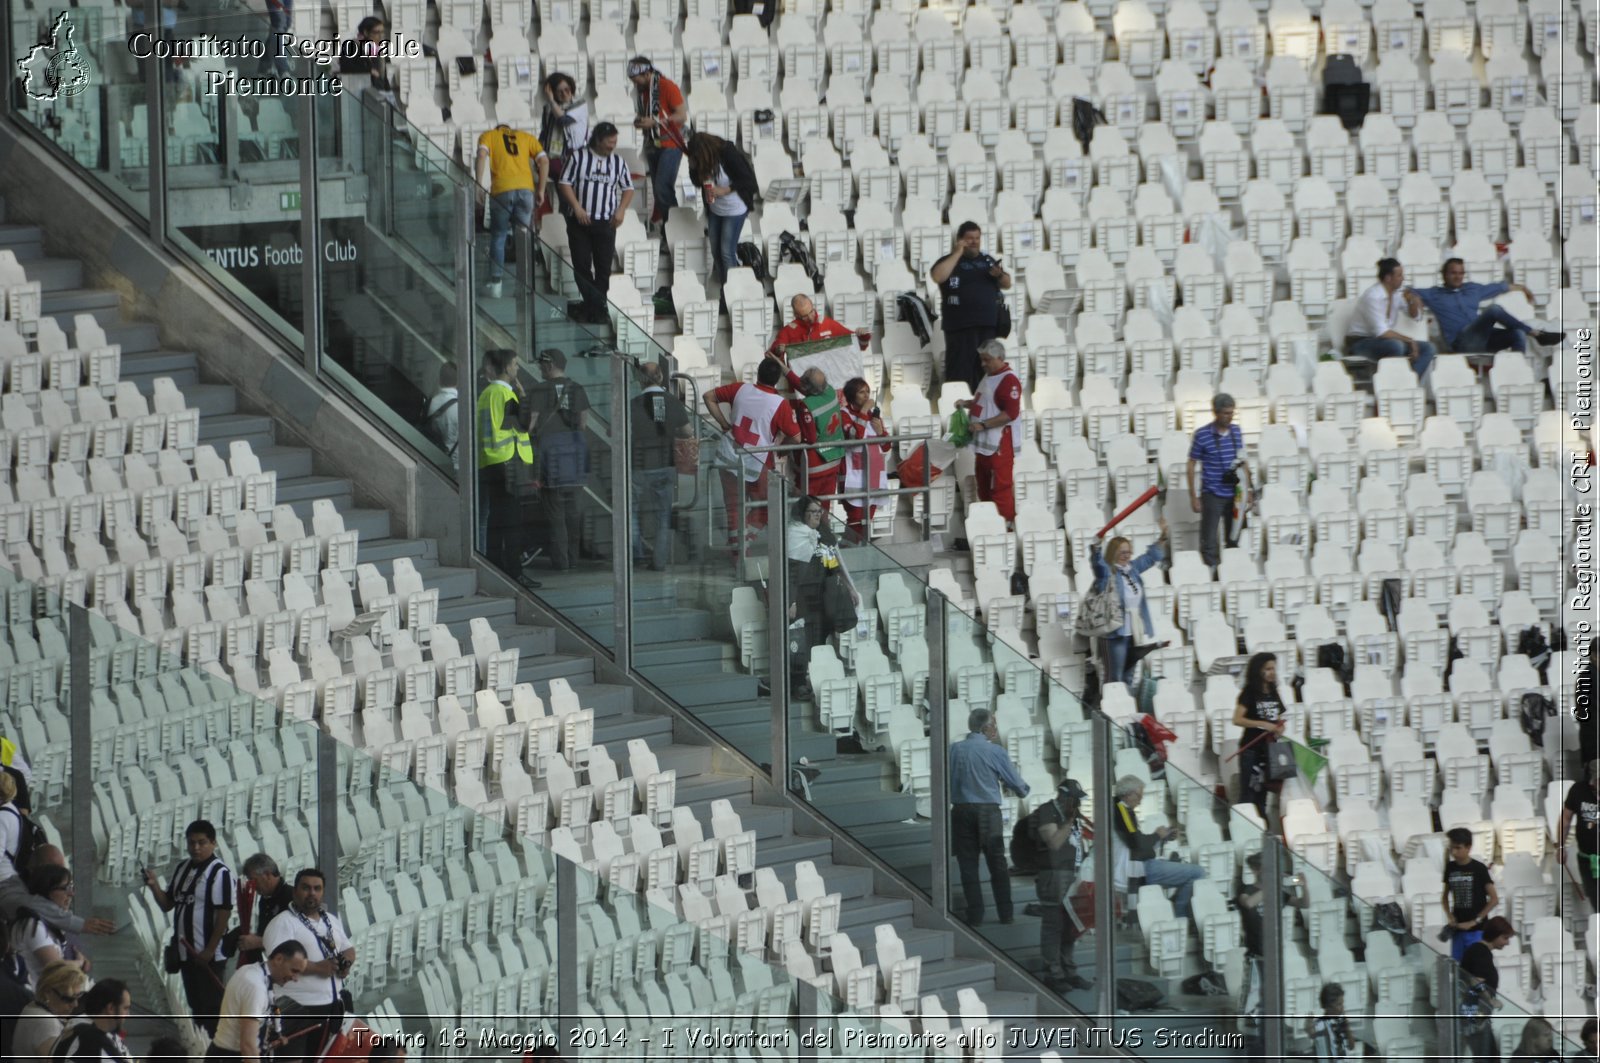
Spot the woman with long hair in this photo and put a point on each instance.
(727, 183)
(1117, 562)
(1259, 709)
(1537, 1044)
(563, 128)
(863, 466)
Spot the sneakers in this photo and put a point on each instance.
(1549, 339)
(493, 289)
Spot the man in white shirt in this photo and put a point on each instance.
(249, 1020)
(316, 1001)
(1373, 332)
(441, 416)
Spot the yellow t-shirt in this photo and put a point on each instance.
(511, 155)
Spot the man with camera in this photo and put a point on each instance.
(1061, 829)
(1217, 453)
(315, 1003)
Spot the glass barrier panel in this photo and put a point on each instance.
(1187, 940)
(389, 311)
(82, 88)
(233, 186)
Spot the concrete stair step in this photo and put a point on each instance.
(652, 626)
(54, 274)
(136, 338)
(142, 367)
(647, 657)
(685, 760)
(709, 786)
(210, 399)
(459, 612)
(383, 553)
(865, 808)
(540, 670)
(779, 851)
(308, 489)
(226, 428)
(450, 582)
(851, 883)
(721, 688)
(618, 729)
(106, 306)
(290, 463)
(24, 241)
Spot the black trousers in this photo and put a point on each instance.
(202, 988)
(976, 830)
(307, 1032)
(961, 354)
(501, 520)
(593, 247)
(563, 517)
(1057, 931)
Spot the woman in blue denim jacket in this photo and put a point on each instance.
(1136, 627)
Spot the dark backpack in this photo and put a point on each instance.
(30, 839)
(914, 310)
(1535, 710)
(1135, 995)
(433, 423)
(1085, 116)
(1029, 854)
(1330, 655)
(753, 256)
(1532, 645)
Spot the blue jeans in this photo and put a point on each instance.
(515, 205)
(653, 492)
(724, 233)
(1118, 649)
(664, 179)
(278, 22)
(1461, 940)
(1377, 347)
(1165, 873)
(1494, 330)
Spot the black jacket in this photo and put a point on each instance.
(741, 173)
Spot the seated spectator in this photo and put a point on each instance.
(1467, 329)
(1136, 851)
(56, 993)
(1374, 330)
(369, 60)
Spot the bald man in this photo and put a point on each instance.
(807, 325)
(821, 425)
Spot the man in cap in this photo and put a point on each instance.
(662, 114)
(1061, 830)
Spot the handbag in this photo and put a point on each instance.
(1002, 322)
(1281, 764)
(838, 606)
(171, 961)
(1100, 612)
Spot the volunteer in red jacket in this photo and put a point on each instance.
(760, 418)
(807, 325)
(995, 416)
(864, 466)
(816, 408)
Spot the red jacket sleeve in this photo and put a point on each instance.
(784, 422)
(1008, 396)
(726, 392)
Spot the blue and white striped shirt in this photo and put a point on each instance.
(1216, 455)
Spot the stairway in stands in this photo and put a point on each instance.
(544, 655)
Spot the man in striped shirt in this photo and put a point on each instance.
(201, 890)
(596, 189)
(1217, 448)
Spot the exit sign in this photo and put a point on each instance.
(288, 200)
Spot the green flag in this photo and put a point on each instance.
(1309, 760)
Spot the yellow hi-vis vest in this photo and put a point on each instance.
(498, 441)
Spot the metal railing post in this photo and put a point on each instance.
(777, 628)
(937, 632)
(466, 342)
(81, 758)
(328, 809)
(566, 957)
(621, 507)
(1273, 866)
(1105, 908)
(386, 113)
(525, 292)
(806, 1008)
(1450, 1046)
(310, 238)
(155, 113)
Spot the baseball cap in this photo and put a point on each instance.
(1070, 788)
